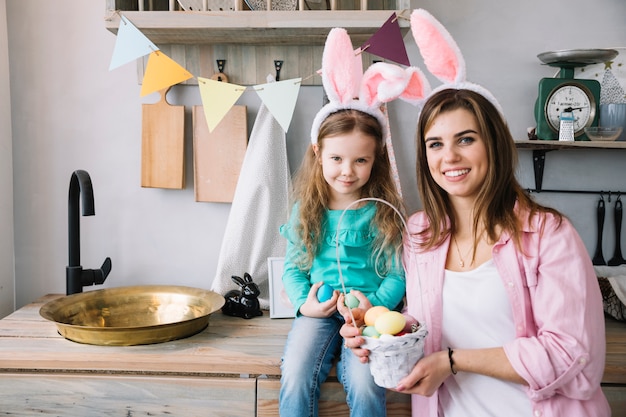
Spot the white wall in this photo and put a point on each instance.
(69, 112)
(7, 271)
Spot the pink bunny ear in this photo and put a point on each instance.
(383, 82)
(342, 70)
(440, 52)
(417, 87)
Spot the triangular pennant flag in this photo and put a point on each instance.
(162, 72)
(217, 99)
(130, 44)
(388, 43)
(280, 99)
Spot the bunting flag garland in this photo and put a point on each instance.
(388, 43)
(217, 99)
(280, 99)
(130, 44)
(161, 72)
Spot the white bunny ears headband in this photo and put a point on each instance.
(348, 88)
(442, 56)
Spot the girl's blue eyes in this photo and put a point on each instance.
(338, 159)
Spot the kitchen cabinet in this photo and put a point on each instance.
(232, 368)
(250, 41)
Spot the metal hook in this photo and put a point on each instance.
(219, 75)
(278, 65)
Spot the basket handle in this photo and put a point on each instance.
(379, 200)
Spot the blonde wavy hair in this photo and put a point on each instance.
(312, 192)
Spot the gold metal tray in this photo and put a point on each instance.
(137, 315)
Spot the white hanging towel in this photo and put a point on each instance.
(260, 205)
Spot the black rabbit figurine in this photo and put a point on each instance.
(244, 303)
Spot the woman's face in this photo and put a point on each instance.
(347, 162)
(456, 153)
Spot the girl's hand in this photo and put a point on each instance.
(352, 334)
(357, 313)
(427, 375)
(313, 308)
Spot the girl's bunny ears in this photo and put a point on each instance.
(442, 55)
(348, 88)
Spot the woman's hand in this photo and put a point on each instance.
(313, 308)
(427, 375)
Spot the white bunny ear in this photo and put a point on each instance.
(342, 70)
(440, 52)
(384, 82)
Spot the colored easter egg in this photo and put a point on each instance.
(325, 293)
(391, 322)
(370, 331)
(372, 314)
(411, 324)
(351, 301)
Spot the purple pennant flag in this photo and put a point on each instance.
(388, 43)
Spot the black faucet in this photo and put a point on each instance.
(77, 277)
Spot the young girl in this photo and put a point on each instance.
(349, 161)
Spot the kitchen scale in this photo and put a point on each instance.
(565, 94)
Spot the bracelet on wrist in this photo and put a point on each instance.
(450, 352)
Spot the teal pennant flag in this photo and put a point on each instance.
(130, 44)
(280, 99)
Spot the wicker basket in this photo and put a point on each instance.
(613, 306)
(392, 359)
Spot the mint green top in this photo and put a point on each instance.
(355, 238)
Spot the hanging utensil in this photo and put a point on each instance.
(617, 258)
(598, 258)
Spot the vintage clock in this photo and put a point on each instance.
(564, 93)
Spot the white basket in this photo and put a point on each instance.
(391, 359)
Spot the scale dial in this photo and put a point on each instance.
(574, 96)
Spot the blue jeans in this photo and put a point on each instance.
(312, 345)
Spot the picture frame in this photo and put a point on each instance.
(280, 306)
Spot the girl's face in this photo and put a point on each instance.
(456, 153)
(347, 162)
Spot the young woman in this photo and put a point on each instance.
(505, 286)
(348, 161)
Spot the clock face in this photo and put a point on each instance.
(570, 97)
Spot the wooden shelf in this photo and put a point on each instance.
(554, 145)
(540, 147)
(254, 27)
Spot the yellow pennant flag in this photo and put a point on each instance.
(217, 99)
(162, 72)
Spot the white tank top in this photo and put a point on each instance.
(477, 314)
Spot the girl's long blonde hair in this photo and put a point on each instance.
(312, 192)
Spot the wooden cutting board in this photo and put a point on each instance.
(218, 155)
(163, 144)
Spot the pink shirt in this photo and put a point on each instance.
(557, 310)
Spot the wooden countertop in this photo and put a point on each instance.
(228, 346)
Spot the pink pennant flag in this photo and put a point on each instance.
(388, 42)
